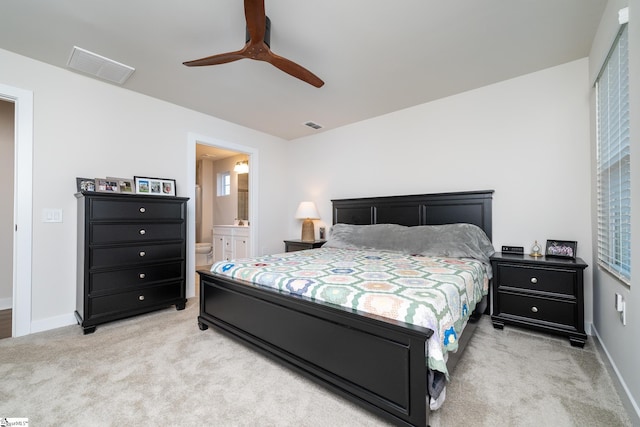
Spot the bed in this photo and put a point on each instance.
(345, 347)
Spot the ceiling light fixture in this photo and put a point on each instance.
(98, 66)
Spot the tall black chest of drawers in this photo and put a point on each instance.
(540, 293)
(131, 256)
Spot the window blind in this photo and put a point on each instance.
(614, 162)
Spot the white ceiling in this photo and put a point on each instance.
(375, 56)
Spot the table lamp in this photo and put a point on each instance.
(307, 211)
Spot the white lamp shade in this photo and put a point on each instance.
(307, 210)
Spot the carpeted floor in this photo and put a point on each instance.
(160, 369)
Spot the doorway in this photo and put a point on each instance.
(7, 148)
(21, 226)
(203, 143)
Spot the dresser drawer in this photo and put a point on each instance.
(135, 209)
(135, 300)
(539, 309)
(136, 254)
(121, 233)
(540, 279)
(143, 275)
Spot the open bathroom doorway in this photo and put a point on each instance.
(224, 193)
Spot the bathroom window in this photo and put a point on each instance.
(224, 184)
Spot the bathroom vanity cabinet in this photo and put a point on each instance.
(230, 242)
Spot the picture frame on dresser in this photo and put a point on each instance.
(561, 249)
(107, 185)
(125, 184)
(85, 184)
(155, 186)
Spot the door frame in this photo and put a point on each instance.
(22, 207)
(252, 152)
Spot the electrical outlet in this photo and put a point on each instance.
(619, 301)
(621, 306)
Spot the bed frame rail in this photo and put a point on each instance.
(376, 364)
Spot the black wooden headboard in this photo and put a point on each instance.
(473, 207)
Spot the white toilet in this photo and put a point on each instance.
(204, 254)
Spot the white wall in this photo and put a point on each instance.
(84, 127)
(619, 341)
(526, 138)
(7, 117)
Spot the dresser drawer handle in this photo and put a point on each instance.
(142, 253)
(534, 280)
(141, 297)
(142, 210)
(534, 309)
(142, 275)
(143, 232)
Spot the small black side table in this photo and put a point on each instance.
(299, 245)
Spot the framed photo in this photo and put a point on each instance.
(125, 184)
(155, 186)
(107, 185)
(561, 249)
(85, 184)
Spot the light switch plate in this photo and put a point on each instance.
(51, 215)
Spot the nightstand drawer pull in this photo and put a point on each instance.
(141, 297)
(142, 253)
(142, 275)
(534, 280)
(142, 210)
(143, 232)
(534, 309)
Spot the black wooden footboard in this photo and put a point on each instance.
(379, 365)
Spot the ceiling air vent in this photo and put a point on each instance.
(313, 125)
(99, 66)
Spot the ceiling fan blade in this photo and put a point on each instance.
(222, 58)
(256, 18)
(293, 69)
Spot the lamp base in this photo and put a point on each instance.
(308, 231)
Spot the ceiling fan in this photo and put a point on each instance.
(257, 47)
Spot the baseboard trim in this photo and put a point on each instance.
(621, 386)
(53, 323)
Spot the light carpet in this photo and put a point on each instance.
(160, 369)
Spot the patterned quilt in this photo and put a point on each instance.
(436, 293)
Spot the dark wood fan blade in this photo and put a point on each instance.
(257, 49)
(256, 19)
(222, 58)
(293, 69)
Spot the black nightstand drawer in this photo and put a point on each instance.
(531, 308)
(538, 279)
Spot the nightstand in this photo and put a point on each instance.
(299, 245)
(545, 294)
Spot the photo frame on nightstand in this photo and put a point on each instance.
(561, 249)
